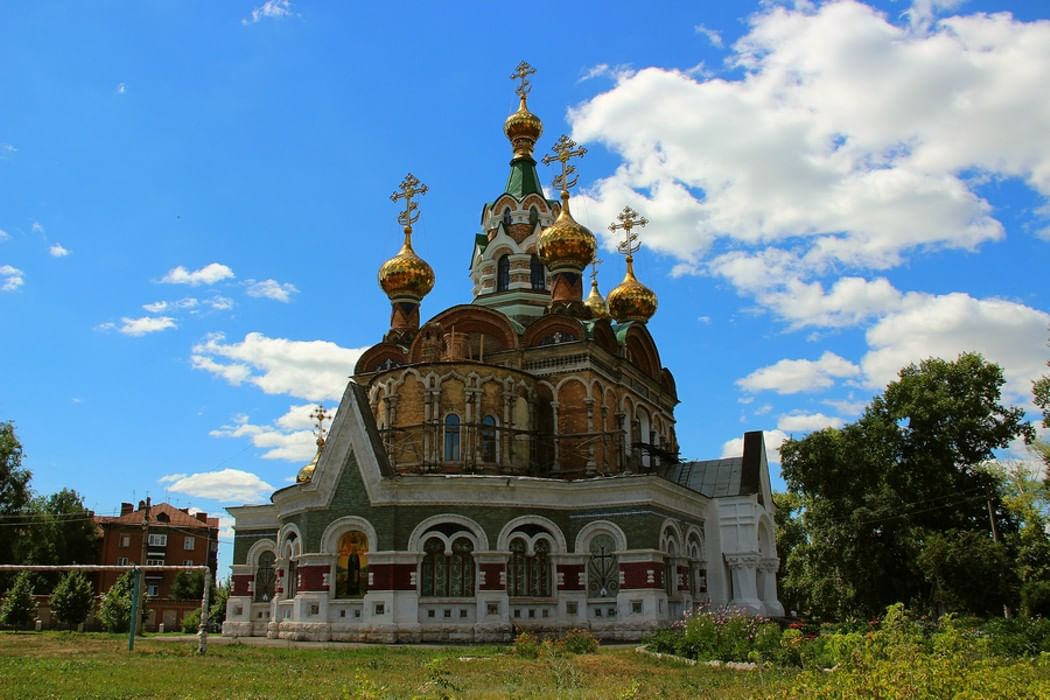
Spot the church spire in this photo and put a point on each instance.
(523, 128)
(630, 300)
(406, 278)
(595, 302)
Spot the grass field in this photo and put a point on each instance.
(54, 664)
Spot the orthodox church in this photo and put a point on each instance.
(510, 464)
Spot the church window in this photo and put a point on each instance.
(537, 274)
(447, 575)
(534, 216)
(506, 216)
(503, 273)
(293, 579)
(603, 571)
(540, 570)
(517, 581)
(488, 439)
(452, 438)
(351, 568)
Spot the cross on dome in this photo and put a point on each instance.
(410, 187)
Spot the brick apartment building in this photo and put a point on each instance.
(173, 537)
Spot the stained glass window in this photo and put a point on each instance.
(264, 578)
(540, 570)
(603, 571)
(534, 216)
(461, 579)
(351, 568)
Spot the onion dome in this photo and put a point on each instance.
(523, 128)
(406, 275)
(596, 303)
(566, 243)
(632, 300)
(306, 474)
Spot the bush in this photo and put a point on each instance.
(527, 645)
(1017, 637)
(1035, 598)
(191, 621)
(580, 641)
(115, 610)
(664, 641)
(767, 644)
(18, 608)
(72, 599)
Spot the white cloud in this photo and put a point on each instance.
(794, 376)
(1008, 333)
(6, 149)
(273, 9)
(710, 34)
(848, 143)
(58, 251)
(309, 369)
(763, 409)
(141, 326)
(271, 289)
(209, 274)
(220, 303)
(37, 227)
(847, 407)
(290, 437)
(604, 70)
(4, 235)
(11, 278)
(226, 531)
(228, 485)
(122, 88)
(807, 422)
(773, 439)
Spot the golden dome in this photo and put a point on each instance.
(566, 243)
(406, 275)
(306, 474)
(523, 128)
(595, 302)
(632, 300)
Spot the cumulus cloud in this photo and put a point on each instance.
(308, 369)
(848, 142)
(37, 227)
(271, 9)
(290, 437)
(807, 422)
(711, 35)
(11, 278)
(271, 289)
(6, 149)
(227, 485)
(795, 376)
(140, 326)
(121, 88)
(57, 250)
(209, 274)
(773, 439)
(4, 235)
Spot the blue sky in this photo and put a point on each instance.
(194, 204)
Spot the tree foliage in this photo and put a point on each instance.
(18, 607)
(72, 599)
(188, 585)
(909, 466)
(115, 610)
(14, 486)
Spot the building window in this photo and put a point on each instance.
(154, 562)
(537, 275)
(292, 586)
(264, 578)
(189, 543)
(447, 575)
(152, 590)
(188, 562)
(488, 439)
(351, 567)
(529, 575)
(506, 217)
(125, 541)
(603, 571)
(534, 216)
(122, 561)
(452, 438)
(503, 273)
(158, 540)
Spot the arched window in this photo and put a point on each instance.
(534, 216)
(537, 275)
(264, 577)
(530, 575)
(488, 439)
(293, 579)
(506, 217)
(670, 568)
(447, 575)
(503, 273)
(351, 567)
(452, 438)
(603, 570)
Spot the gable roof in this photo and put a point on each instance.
(176, 517)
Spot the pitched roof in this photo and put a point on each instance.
(176, 517)
(719, 478)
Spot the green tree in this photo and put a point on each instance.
(188, 585)
(909, 466)
(72, 599)
(115, 610)
(967, 571)
(18, 608)
(1041, 396)
(14, 489)
(791, 532)
(220, 593)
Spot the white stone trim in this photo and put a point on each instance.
(260, 546)
(415, 540)
(336, 528)
(503, 541)
(583, 537)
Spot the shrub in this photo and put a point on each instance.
(115, 610)
(767, 644)
(580, 641)
(725, 634)
(664, 641)
(191, 621)
(1017, 637)
(527, 645)
(72, 599)
(1035, 598)
(18, 608)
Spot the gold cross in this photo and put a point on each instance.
(565, 149)
(320, 415)
(522, 73)
(629, 218)
(594, 268)
(410, 187)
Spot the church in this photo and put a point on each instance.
(510, 464)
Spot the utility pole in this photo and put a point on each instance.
(995, 538)
(140, 582)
